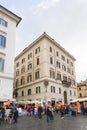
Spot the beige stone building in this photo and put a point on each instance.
(45, 71)
(82, 89)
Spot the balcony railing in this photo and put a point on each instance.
(66, 83)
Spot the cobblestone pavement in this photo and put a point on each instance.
(30, 123)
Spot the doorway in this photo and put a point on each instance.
(65, 97)
(53, 103)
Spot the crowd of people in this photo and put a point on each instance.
(9, 113)
(12, 112)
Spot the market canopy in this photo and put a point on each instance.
(27, 102)
(79, 99)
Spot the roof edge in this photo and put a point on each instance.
(39, 38)
(19, 18)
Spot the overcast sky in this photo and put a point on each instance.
(64, 20)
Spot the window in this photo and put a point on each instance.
(80, 94)
(62, 57)
(60, 90)
(37, 74)
(57, 54)
(23, 60)
(17, 83)
(68, 70)
(30, 56)
(52, 74)
(29, 91)
(38, 89)
(37, 61)
(74, 93)
(70, 92)
(50, 49)
(52, 89)
(3, 22)
(17, 64)
(73, 82)
(58, 76)
(2, 41)
(16, 95)
(58, 64)
(22, 93)
(64, 67)
(64, 78)
(29, 78)
(69, 80)
(17, 73)
(67, 61)
(2, 61)
(37, 50)
(79, 88)
(29, 66)
(72, 72)
(71, 64)
(22, 80)
(22, 70)
(51, 60)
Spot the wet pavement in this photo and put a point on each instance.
(31, 123)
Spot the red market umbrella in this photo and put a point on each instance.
(66, 105)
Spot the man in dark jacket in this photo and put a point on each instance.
(15, 115)
(47, 114)
(40, 110)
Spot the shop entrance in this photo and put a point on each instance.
(53, 103)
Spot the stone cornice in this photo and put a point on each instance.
(10, 14)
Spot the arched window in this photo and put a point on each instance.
(80, 94)
(22, 80)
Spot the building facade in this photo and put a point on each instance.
(8, 24)
(45, 71)
(82, 89)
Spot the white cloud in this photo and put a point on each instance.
(45, 4)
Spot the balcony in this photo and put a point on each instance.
(66, 83)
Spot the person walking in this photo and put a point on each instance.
(82, 108)
(15, 115)
(62, 112)
(51, 112)
(47, 114)
(0, 115)
(11, 116)
(35, 112)
(40, 110)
